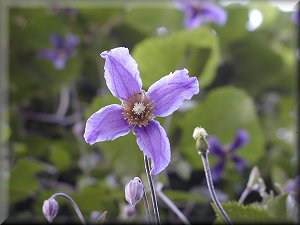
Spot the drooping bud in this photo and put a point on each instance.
(50, 209)
(200, 135)
(134, 191)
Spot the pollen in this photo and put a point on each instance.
(138, 109)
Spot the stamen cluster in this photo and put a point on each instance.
(138, 110)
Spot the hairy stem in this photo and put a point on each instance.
(153, 195)
(73, 204)
(211, 187)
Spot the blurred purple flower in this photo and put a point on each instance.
(200, 12)
(293, 186)
(228, 152)
(63, 49)
(139, 108)
(295, 17)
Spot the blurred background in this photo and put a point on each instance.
(246, 68)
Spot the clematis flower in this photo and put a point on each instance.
(139, 108)
(200, 12)
(63, 49)
(228, 153)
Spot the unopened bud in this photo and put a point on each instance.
(50, 209)
(201, 143)
(134, 191)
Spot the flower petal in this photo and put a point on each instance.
(106, 124)
(213, 13)
(215, 147)
(153, 141)
(121, 73)
(217, 170)
(57, 41)
(240, 164)
(169, 92)
(241, 138)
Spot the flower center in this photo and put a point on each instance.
(138, 110)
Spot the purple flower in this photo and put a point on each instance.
(293, 186)
(63, 49)
(228, 152)
(201, 12)
(139, 108)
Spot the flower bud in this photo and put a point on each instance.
(50, 208)
(134, 191)
(200, 135)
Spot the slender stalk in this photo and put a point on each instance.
(153, 195)
(73, 204)
(147, 207)
(173, 207)
(211, 187)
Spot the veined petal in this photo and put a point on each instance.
(106, 124)
(153, 141)
(241, 138)
(169, 92)
(121, 73)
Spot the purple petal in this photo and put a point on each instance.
(57, 41)
(169, 92)
(241, 138)
(121, 73)
(48, 54)
(215, 147)
(71, 41)
(240, 163)
(59, 62)
(153, 141)
(106, 124)
(217, 170)
(213, 13)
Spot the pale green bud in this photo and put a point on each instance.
(200, 135)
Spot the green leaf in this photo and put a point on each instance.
(197, 50)
(98, 197)
(23, 180)
(60, 157)
(277, 208)
(238, 213)
(222, 113)
(149, 19)
(183, 196)
(236, 23)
